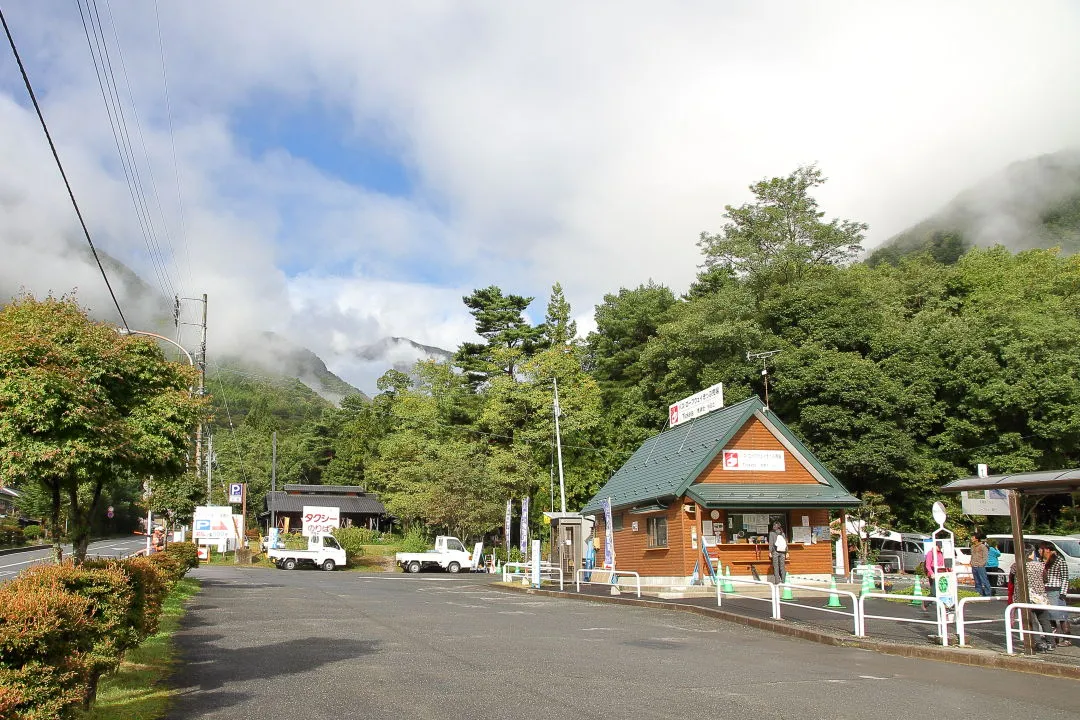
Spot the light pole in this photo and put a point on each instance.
(149, 512)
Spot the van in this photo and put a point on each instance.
(1067, 547)
(900, 552)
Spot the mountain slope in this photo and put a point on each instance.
(1031, 204)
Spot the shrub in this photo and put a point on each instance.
(352, 540)
(186, 553)
(414, 541)
(32, 533)
(43, 641)
(11, 533)
(109, 612)
(294, 541)
(149, 587)
(169, 565)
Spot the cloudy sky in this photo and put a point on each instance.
(339, 171)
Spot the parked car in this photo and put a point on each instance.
(449, 554)
(900, 552)
(323, 552)
(1068, 547)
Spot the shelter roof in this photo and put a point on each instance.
(1039, 482)
(731, 496)
(355, 504)
(324, 489)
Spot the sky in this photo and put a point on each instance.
(340, 172)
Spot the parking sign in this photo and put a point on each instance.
(236, 493)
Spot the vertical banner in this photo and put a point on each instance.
(506, 526)
(523, 544)
(609, 537)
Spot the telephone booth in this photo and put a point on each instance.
(569, 532)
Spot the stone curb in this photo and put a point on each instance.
(959, 656)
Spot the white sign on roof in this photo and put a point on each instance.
(696, 405)
(754, 460)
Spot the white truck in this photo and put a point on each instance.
(449, 554)
(323, 552)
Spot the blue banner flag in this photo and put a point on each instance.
(506, 526)
(524, 528)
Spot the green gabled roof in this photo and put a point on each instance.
(717, 495)
(666, 465)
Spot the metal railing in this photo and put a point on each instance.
(941, 622)
(864, 570)
(773, 599)
(614, 581)
(961, 623)
(855, 615)
(547, 570)
(1022, 632)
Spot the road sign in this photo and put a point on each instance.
(109, 512)
(236, 493)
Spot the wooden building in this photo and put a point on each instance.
(357, 507)
(720, 481)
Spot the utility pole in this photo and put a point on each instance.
(273, 482)
(209, 466)
(558, 445)
(202, 372)
(763, 356)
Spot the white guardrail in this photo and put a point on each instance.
(773, 599)
(1017, 607)
(941, 622)
(856, 617)
(547, 570)
(961, 623)
(616, 575)
(867, 569)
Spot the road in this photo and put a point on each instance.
(259, 643)
(11, 565)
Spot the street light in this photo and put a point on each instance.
(149, 512)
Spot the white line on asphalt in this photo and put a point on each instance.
(24, 562)
(873, 677)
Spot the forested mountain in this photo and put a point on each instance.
(1031, 204)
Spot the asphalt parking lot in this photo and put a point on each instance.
(261, 643)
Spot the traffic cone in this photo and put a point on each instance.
(834, 599)
(916, 592)
(867, 584)
(786, 594)
(728, 586)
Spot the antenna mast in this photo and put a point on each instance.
(763, 356)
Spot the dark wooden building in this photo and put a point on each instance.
(357, 507)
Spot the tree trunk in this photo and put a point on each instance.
(57, 548)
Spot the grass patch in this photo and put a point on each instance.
(136, 691)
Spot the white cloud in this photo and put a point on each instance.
(555, 141)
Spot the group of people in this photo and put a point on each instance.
(1047, 584)
(984, 556)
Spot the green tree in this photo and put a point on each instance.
(559, 328)
(83, 408)
(777, 237)
(501, 322)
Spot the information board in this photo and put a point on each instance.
(318, 520)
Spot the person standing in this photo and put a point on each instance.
(992, 555)
(1056, 580)
(979, 556)
(1036, 588)
(778, 553)
(934, 563)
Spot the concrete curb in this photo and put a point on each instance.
(959, 656)
(28, 548)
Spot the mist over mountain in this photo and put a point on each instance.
(1033, 203)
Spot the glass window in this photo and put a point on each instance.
(454, 544)
(890, 546)
(616, 521)
(753, 527)
(657, 529)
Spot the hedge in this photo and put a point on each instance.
(62, 627)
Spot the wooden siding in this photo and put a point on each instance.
(680, 557)
(755, 436)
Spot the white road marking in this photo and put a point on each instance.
(873, 677)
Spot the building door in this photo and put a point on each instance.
(568, 549)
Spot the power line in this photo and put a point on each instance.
(60, 166)
(232, 428)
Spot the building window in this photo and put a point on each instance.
(657, 529)
(616, 521)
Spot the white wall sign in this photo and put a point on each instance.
(320, 519)
(985, 502)
(754, 460)
(696, 405)
(212, 522)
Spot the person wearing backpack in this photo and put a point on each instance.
(778, 553)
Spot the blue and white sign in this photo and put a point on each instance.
(523, 543)
(506, 525)
(236, 493)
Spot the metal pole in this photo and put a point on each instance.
(209, 467)
(1020, 588)
(558, 445)
(273, 483)
(202, 385)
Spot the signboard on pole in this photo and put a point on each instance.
(609, 536)
(985, 502)
(523, 531)
(696, 405)
(236, 493)
(320, 520)
(754, 460)
(212, 523)
(506, 526)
